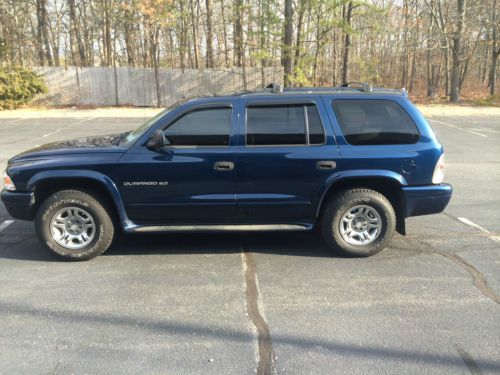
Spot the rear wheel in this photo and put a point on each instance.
(74, 225)
(358, 222)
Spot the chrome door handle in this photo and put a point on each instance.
(224, 166)
(326, 164)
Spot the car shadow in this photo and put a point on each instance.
(308, 244)
(292, 243)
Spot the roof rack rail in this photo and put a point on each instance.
(275, 87)
(365, 87)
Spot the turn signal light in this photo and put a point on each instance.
(7, 181)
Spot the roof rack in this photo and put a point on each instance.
(275, 87)
(365, 87)
(347, 87)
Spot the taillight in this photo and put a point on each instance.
(438, 175)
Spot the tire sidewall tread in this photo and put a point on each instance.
(337, 206)
(91, 203)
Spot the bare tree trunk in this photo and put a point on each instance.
(224, 33)
(107, 34)
(194, 25)
(298, 41)
(210, 50)
(431, 89)
(262, 43)
(42, 31)
(493, 68)
(287, 43)
(238, 33)
(75, 37)
(129, 37)
(404, 55)
(413, 73)
(495, 52)
(54, 39)
(154, 37)
(39, 36)
(316, 49)
(182, 37)
(347, 45)
(457, 53)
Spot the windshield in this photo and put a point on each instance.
(135, 134)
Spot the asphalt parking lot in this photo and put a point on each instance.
(271, 303)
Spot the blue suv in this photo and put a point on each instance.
(353, 162)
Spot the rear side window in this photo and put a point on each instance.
(288, 124)
(202, 127)
(375, 122)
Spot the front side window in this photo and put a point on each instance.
(375, 122)
(284, 124)
(201, 127)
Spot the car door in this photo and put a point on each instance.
(287, 152)
(191, 180)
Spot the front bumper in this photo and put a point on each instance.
(425, 200)
(19, 204)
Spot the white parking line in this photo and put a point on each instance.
(458, 127)
(5, 224)
(478, 227)
(61, 129)
(54, 132)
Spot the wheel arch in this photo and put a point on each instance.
(388, 184)
(46, 183)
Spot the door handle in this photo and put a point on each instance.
(224, 166)
(326, 164)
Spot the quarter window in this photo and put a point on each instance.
(202, 127)
(375, 122)
(287, 124)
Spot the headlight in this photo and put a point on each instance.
(9, 185)
(438, 175)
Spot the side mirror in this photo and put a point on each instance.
(156, 141)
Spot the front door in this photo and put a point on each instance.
(284, 158)
(190, 181)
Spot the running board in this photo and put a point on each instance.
(134, 228)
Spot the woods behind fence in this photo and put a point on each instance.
(433, 47)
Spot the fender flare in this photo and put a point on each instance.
(364, 174)
(102, 179)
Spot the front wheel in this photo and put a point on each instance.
(358, 222)
(74, 225)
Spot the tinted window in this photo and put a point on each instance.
(316, 132)
(284, 125)
(374, 122)
(203, 127)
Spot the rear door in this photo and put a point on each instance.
(287, 151)
(377, 133)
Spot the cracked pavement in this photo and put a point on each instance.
(266, 302)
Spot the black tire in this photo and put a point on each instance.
(346, 200)
(93, 205)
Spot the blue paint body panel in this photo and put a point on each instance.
(268, 185)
